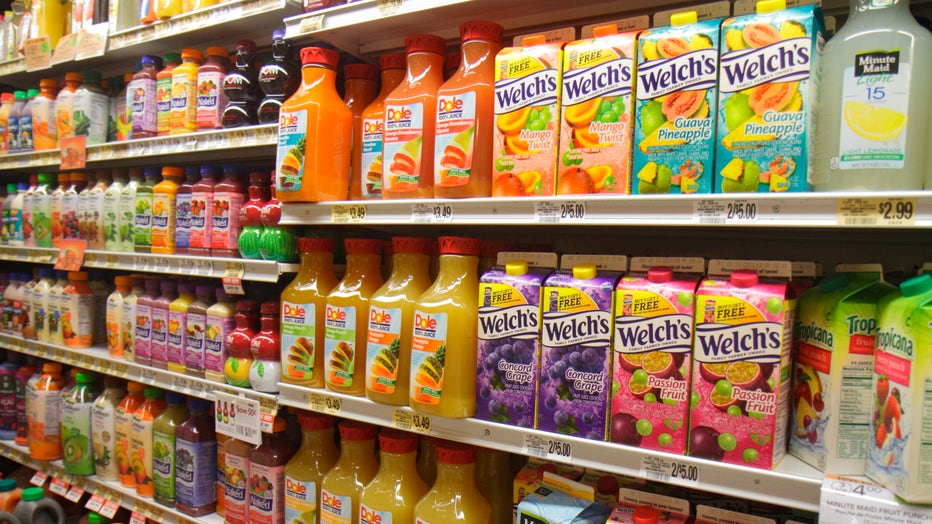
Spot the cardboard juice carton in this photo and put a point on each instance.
(653, 341)
(767, 99)
(595, 128)
(741, 363)
(836, 329)
(677, 102)
(898, 455)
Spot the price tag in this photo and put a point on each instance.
(407, 420)
(89, 361)
(59, 487)
(267, 410)
(204, 266)
(188, 266)
(547, 447)
(58, 354)
(179, 383)
(111, 261)
(94, 503)
(311, 24)
(140, 263)
(65, 49)
(432, 213)
(39, 478)
(569, 212)
(104, 366)
(73, 153)
(38, 53)
(389, 7)
(265, 134)
(225, 415)
(348, 214)
(324, 403)
(247, 421)
(670, 470)
(120, 369)
(163, 265)
(109, 508)
(726, 211)
(233, 278)
(90, 259)
(884, 212)
(137, 518)
(148, 376)
(149, 510)
(196, 387)
(74, 494)
(92, 41)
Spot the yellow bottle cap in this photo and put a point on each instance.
(769, 6)
(534, 40)
(516, 268)
(584, 271)
(604, 30)
(684, 18)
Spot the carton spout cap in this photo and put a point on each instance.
(769, 6)
(684, 18)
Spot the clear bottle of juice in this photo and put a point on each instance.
(123, 431)
(236, 489)
(19, 103)
(41, 303)
(220, 323)
(465, 111)
(163, 101)
(346, 316)
(43, 413)
(110, 212)
(6, 324)
(128, 316)
(114, 310)
(56, 306)
(178, 326)
(64, 105)
(142, 98)
(239, 360)
(183, 210)
(303, 314)
(267, 475)
(196, 474)
(360, 89)
(160, 314)
(142, 437)
(495, 481)
(6, 106)
(278, 79)
(71, 221)
(163, 210)
(391, 321)
(29, 330)
(454, 497)
(366, 182)
(128, 210)
(44, 133)
(94, 212)
(41, 211)
(397, 487)
(408, 136)
(306, 469)
(26, 136)
(202, 204)
(97, 281)
(195, 354)
(103, 421)
(77, 318)
(210, 97)
(23, 375)
(83, 204)
(163, 447)
(184, 93)
(871, 119)
(142, 225)
(265, 369)
(29, 238)
(56, 200)
(91, 109)
(229, 196)
(142, 339)
(452, 300)
(316, 134)
(78, 455)
(356, 467)
(250, 215)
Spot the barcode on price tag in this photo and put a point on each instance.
(669, 470)
(547, 447)
(408, 421)
(726, 211)
(39, 478)
(877, 211)
(432, 213)
(247, 421)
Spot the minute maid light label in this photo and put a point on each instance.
(784, 61)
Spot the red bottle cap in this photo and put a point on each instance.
(646, 515)
(269, 308)
(428, 43)
(315, 421)
(392, 61)
(420, 245)
(492, 249)
(455, 453)
(607, 485)
(459, 246)
(744, 278)
(6, 97)
(315, 245)
(363, 245)
(397, 442)
(481, 30)
(246, 306)
(319, 55)
(660, 274)
(360, 71)
(355, 431)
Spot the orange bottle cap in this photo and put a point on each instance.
(392, 61)
(216, 51)
(360, 72)
(319, 55)
(74, 77)
(191, 53)
(481, 30)
(534, 40)
(428, 43)
(172, 171)
(604, 30)
(459, 246)
(48, 82)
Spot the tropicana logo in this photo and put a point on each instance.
(397, 115)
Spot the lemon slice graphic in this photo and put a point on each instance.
(874, 123)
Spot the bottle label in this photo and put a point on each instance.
(183, 221)
(371, 164)
(384, 344)
(90, 115)
(94, 222)
(266, 493)
(195, 472)
(456, 129)
(163, 223)
(103, 419)
(12, 143)
(196, 331)
(335, 509)
(77, 320)
(158, 350)
(42, 221)
(127, 218)
(403, 133)
(44, 414)
(76, 437)
(7, 401)
(292, 136)
(142, 341)
(142, 220)
(428, 353)
(111, 207)
(875, 105)
(163, 104)
(122, 430)
(4, 136)
(340, 345)
(236, 502)
(163, 464)
(215, 350)
(141, 455)
(177, 328)
(300, 500)
(225, 218)
(210, 99)
(143, 100)
(201, 224)
(25, 133)
(128, 326)
(15, 227)
(299, 336)
(184, 101)
(368, 515)
(419, 520)
(114, 308)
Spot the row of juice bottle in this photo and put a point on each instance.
(205, 211)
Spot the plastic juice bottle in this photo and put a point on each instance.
(56, 306)
(494, 480)
(26, 136)
(163, 86)
(120, 127)
(6, 324)
(160, 313)
(163, 447)
(41, 303)
(7, 202)
(178, 327)
(276, 242)
(360, 89)
(142, 225)
(250, 215)
(184, 93)
(316, 134)
(356, 467)
(114, 311)
(346, 316)
(278, 79)
(91, 109)
(165, 9)
(29, 330)
(196, 473)
(410, 115)
(56, 199)
(142, 336)
(366, 181)
(267, 475)
(397, 487)
(101, 289)
(391, 321)
(110, 212)
(15, 323)
(228, 199)
(71, 222)
(43, 413)
(29, 238)
(36, 507)
(128, 316)
(210, 97)
(16, 216)
(202, 205)
(305, 471)
(192, 5)
(220, 323)
(41, 212)
(14, 144)
(164, 210)
(8, 400)
(223, 442)
(141, 440)
(465, 117)
(183, 210)
(236, 368)
(147, 11)
(45, 135)
(22, 376)
(195, 354)
(78, 312)
(241, 88)
(82, 205)
(128, 211)
(142, 98)
(452, 300)
(94, 212)
(123, 431)
(265, 369)
(103, 422)
(454, 497)
(10, 495)
(6, 106)
(64, 105)
(76, 425)
(236, 489)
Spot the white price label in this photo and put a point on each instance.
(726, 211)
(39, 478)
(247, 421)
(94, 503)
(671, 470)
(311, 23)
(884, 212)
(137, 518)
(109, 508)
(846, 499)
(163, 264)
(233, 286)
(348, 214)
(389, 7)
(111, 261)
(74, 494)
(551, 448)
(324, 403)
(407, 420)
(120, 369)
(59, 487)
(439, 213)
(140, 263)
(148, 376)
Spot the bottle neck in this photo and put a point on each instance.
(477, 53)
(317, 440)
(862, 6)
(408, 266)
(360, 88)
(459, 266)
(313, 263)
(360, 265)
(455, 477)
(258, 193)
(314, 76)
(390, 80)
(245, 320)
(397, 464)
(421, 64)
(269, 323)
(355, 453)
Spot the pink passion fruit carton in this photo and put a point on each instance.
(653, 340)
(741, 363)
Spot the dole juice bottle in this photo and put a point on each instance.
(408, 131)
(184, 93)
(360, 90)
(397, 487)
(347, 310)
(465, 117)
(454, 497)
(444, 334)
(306, 469)
(366, 182)
(265, 370)
(356, 467)
(304, 303)
(236, 367)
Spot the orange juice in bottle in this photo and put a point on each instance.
(43, 406)
(44, 132)
(346, 313)
(397, 487)
(454, 497)
(306, 469)
(342, 485)
(315, 134)
(366, 181)
(410, 111)
(183, 117)
(445, 334)
(391, 316)
(465, 117)
(361, 88)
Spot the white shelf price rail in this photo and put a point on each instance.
(208, 267)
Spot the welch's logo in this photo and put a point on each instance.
(667, 332)
(784, 61)
(507, 322)
(722, 343)
(892, 342)
(692, 71)
(536, 89)
(563, 329)
(611, 78)
(813, 333)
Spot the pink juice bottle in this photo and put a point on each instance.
(202, 203)
(229, 196)
(143, 341)
(159, 352)
(196, 330)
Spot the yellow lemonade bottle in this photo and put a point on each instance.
(397, 487)
(183, 116)
(454, 496)
(303, 304)
(345, 316)
(178, 326)
(342, 485)
(391, 317)
(444, 334)
(305, 471)
(163, 210)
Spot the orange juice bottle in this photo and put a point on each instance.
(445, 332)
(315, 134)
(64, 105)
(361, 88)
(123, 431)
(43, 407)
(391, 317)
(408, 136)
(43, 115)
(465, 117)
(454, 496)
(163, 210)
(183, 117)
(342, 485)
(397, 487)
(366, 181)
(141, 440)
(305, 471)
(346, 313)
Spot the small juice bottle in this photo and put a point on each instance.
(229, 196)
(43, 405)
(123, 431)
(346, 315)
(391, 321)
(41, 211)
(6, 106)
(360, 89)
(114, 308)
(103, 420)
(183, 210)
(210, 97)
(64, 105)
(91, 109)
(465, 117)
(163, 441)
(306, 469)
(127, 210)
(410, 115)
(141, 440)
(316, 134)
(56, 303)
(142, 338)
(236, 490)
(178, 327)
(202, 204)
(236, 367)
(142, 98)
(71, 223)
(142, 217)
(196, 330)
(356, 467)
(76, 425)
(366, 182)
(94, 212)
(265, 369)
(23, 376)
(128, 316)
(223, 442)
(19, 103)
(29, 238)
(444, 334)
(56, 201)
(110, 214)
(250, 218)
(165, 9)
(303, 314)
(159, 349)
(147, 12)
(267, 475)
(184, 93)
(43, 115)
(163, 210)
(454, 496)
(397, 487)
(220, 323)
(195, 493)
(78, 313)
(163, 99)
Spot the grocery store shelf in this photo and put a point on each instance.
(33, 255)
(793, 484)
(243, 143)
(797, 210)
(187, 265)
(111, 491)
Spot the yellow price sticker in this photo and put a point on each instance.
(882, 212)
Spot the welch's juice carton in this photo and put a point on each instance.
(768, 75)
(832, 397)
(742, 366)
(508, 357)
(898, 455)
(576, 342)
(654, 306)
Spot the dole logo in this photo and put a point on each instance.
(331, 501)
(335, 313)
(397, 115)
(450, 104)
(293, 310)
(297, 488)
(367, 515)
(372, 126)
(287, 120)
(425, 322)
(380, 316)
